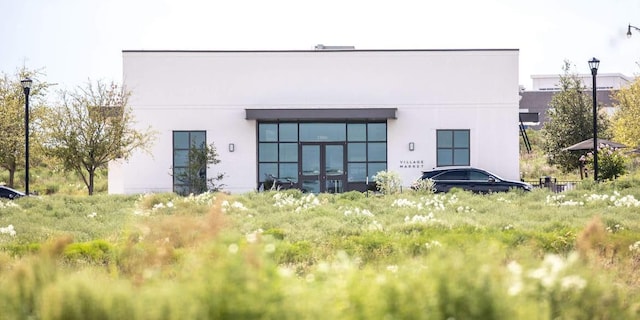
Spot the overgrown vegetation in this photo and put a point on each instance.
(516, 255)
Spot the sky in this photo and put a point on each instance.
(74, 41)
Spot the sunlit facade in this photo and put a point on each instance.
(326, 120)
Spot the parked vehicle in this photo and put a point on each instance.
(471, 179)
(275, 183)
(9, 193)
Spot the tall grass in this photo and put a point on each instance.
(288, 255)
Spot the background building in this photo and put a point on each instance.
(538, 98)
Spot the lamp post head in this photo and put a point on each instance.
(26, 85)
(593, 65)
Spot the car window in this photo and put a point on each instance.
(453, 175)
(478, 175)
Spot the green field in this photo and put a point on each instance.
(288, 255)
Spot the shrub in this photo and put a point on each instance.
(388, 182)
(427, 186)
(611, 162)
(93, 252)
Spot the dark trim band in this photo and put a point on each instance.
(322, 114)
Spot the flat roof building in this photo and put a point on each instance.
(328, 120)
(538, 98)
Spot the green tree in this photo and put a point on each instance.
(193, 178)
(570, 121)
(12, 129)
(626, 127)
(92, 126)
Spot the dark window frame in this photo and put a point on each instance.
(176, 187)
(453, 147)
(367, 163)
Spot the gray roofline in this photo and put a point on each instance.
(324, 51)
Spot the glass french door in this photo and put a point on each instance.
(322, 168)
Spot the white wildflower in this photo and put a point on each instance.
(627, 201)
(403, 203)
(8, 230)
(436, 202)
(310, 278)
(253, 236)
(420, 218)
(465, 209)
(206, 198)
(515, 270)
(433, 244)
(375, 226)
(571, 203)
(358, 212)
(270, 248)
(285, 272)
(233, 206)
(288, 200)
(547, 274)
(573, 282)
(8, 204)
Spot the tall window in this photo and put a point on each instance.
(453, 148)
(366, 150)
(278, 151)
(188, 176)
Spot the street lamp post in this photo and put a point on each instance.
(593, 65)
(26, 85)
(629, 30)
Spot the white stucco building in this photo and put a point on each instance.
(327, 119)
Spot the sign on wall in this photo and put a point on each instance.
(411, 164)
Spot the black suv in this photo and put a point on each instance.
(471, 179)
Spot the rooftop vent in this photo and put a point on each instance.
(323, 47)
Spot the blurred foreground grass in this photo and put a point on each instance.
(288, 255)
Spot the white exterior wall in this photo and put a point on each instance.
(211, 90)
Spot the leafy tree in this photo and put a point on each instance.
(626, 127)
(193, 178)
(12, 129)
(92, 126)
(570, 121)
